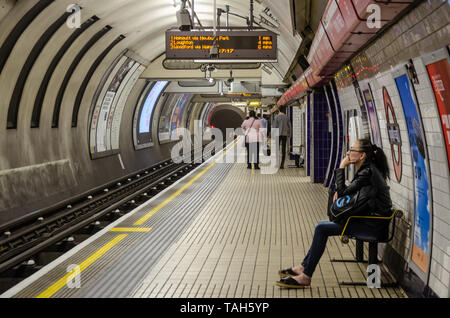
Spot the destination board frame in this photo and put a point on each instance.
(238, 46)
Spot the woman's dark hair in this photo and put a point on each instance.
(376, 156)
(252, 114)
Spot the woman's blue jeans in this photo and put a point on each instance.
(323, 230)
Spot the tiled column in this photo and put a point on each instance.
(321, 137)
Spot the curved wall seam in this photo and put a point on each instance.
(16, 97)
(334, 135)
(35, 118)
(71, 70)
(87, 78)
(21, 26)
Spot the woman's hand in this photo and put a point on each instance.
(335, 196)
(345, 162)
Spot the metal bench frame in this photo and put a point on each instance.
(373, 246)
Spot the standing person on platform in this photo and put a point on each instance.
(265, 145)
(283, 123)
(264, 121)
(254, 130)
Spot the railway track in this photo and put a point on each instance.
(29, 244)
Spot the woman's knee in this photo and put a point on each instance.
(327, 227)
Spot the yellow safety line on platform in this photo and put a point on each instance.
(253, 174)
(173, 196)
(49, 292)
(131, 229)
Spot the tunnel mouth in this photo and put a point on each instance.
(226, 117)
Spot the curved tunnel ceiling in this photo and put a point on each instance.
(144, 22)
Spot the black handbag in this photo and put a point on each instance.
(348, 205)
(343, 206)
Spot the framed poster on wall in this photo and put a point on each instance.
(353, 123)
(109, 104)
(113, 93)
(102, 107)
(372, 114)
(422, 231)
(143, 116)
(438, 69)
(177, 114)
(364, 129)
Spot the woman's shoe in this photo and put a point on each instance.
(287, 272)
(289, 282)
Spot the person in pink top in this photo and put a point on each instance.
(254, 134)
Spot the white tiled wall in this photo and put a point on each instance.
(402, 193)
(296, 126)
(348, 99)
(423, 30)
(439, 278)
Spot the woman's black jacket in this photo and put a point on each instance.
(372, 188)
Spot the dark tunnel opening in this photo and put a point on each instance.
(226, 118)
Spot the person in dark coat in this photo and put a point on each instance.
(283, 123)
(370, 179)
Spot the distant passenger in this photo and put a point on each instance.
(372, 170)
(264, 122)
(254, 133)
(268, 125)
(283, 123)
(265, 145)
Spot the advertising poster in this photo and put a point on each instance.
(117, 86)
(177, 114)
(129, 84)
(149, 105)
(374, 127)
(104, 120)
(439, 73)
(104, 102)
(143, 117)
(364, 129)
(422, 189)
(352, 138)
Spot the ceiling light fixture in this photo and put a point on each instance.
(184, 20)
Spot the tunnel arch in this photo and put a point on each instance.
(226, 116)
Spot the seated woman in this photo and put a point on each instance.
(372, 171)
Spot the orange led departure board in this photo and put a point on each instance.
(243, 45)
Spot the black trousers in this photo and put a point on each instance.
(283, 142)
(252, 153)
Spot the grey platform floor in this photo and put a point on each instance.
(222, 231)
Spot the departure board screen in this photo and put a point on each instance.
(243, 45)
